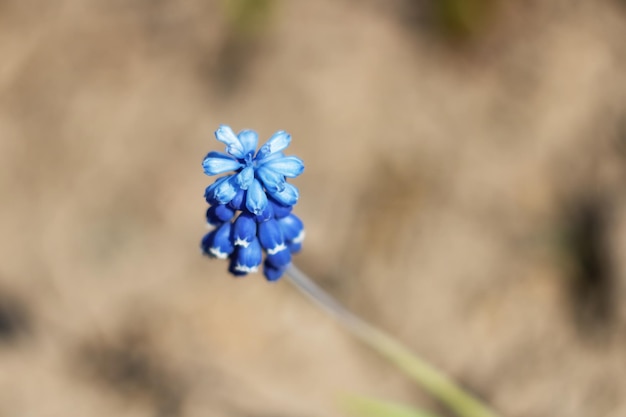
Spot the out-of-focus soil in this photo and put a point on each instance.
(465, 193)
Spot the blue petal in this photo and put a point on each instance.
(239, 200)
(294, 247)
(209, 193)
(279, 141)
(212, 218)
(292, 228)
(245, 177)
(223, 212)
(256, 200)
(248, 258)
(279, 209)
(272, 180)
(244, 229)
(217, 163)
(271, 237)
(271, 272)
(225, 191)
(271, 157)
(265, 215)
(249, 140)
(217, 243)
(288, 196)
(233, 145)
(280, 259)
(218, 214)
(289, 166)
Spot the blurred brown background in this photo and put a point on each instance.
(464, 190)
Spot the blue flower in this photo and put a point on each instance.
(251, 206)
(260, 175)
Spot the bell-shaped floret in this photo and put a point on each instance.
(217, 163)
(244, 178)
(271, 272)
(272, 180)
(217, 243)
(289, 166)
(219, 214)
(249, 140)
(248, 258)
(279, 141)
(288, 196)
(271, 237)
(292, 228)
(256, 200)
(244, 229)
(233, 145)
(239, 200)
(210, 190)
(280, 259)
(221, 191)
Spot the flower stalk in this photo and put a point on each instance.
(428, 377)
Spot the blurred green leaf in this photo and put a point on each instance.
(249, 17)
(370, 407)
(463, 19)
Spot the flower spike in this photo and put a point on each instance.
(251, 206)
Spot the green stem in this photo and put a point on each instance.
(431, 379)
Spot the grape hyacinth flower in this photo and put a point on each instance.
(250, 208)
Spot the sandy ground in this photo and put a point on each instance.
(463, 192)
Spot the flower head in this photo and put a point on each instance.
(251, 206)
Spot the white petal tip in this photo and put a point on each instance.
(217, 253)
(242, 242)
(246, 269)
(300, 237)
(276, 249)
